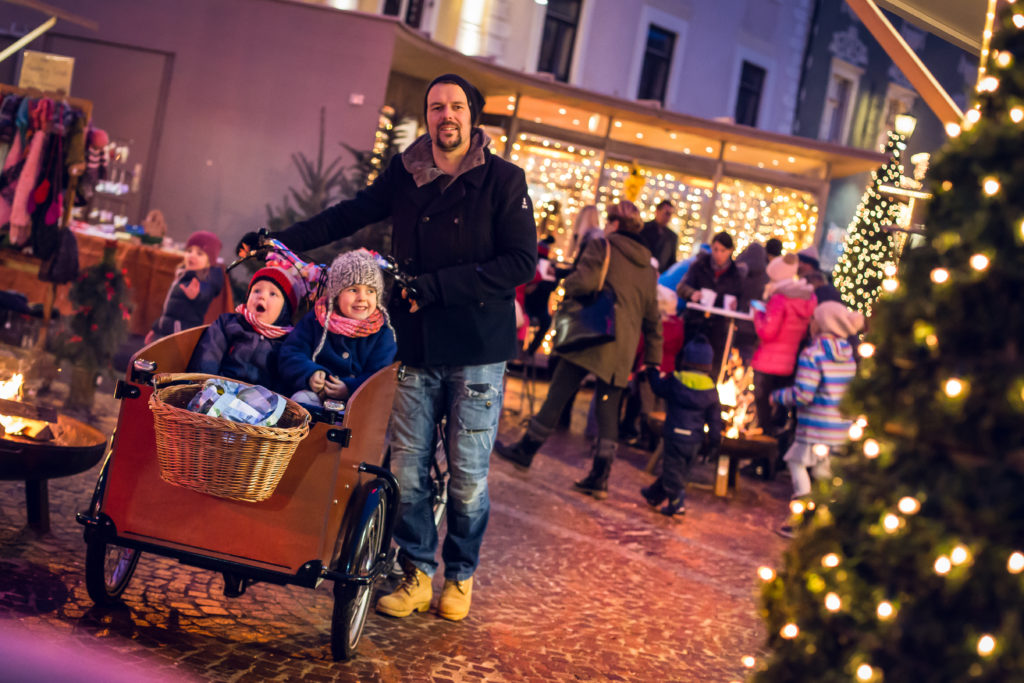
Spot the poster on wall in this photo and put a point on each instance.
(46, 72)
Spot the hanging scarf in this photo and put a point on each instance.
(350, 327)
(268, 331)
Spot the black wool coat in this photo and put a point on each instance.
(469, 240)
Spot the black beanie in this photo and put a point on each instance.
(473, 96)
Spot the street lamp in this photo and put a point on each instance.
(905, 124)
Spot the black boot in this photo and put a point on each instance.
(596, 481)
(654, 494)
(520, 453)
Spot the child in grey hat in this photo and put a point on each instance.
(344, 339)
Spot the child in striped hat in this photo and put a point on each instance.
(824, 370)
(344, 339)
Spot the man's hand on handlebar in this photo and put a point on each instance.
(413, 304)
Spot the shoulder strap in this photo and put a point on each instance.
(604, 267)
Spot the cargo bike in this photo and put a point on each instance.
(330, 516)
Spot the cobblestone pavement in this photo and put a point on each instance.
(569, 589)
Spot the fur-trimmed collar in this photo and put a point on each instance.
(418, 158)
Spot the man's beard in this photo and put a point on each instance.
(455, 143)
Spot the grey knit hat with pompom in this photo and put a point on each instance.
(357, 267)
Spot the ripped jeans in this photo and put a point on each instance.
(470, 396)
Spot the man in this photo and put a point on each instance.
(463, 226)
(659, 238)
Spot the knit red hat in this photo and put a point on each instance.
(206, 241)
(282, 279)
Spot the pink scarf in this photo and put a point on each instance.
(349, 327)
(268, 331)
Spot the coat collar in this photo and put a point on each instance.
(418, 159)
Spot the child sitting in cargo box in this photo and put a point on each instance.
(244, 345)
(344, 339)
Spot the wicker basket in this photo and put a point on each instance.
(217, 456)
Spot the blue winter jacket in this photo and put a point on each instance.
(230, 347)
(691, 402)
(351, 359)
(180, 312)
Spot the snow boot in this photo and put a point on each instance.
(596, 482)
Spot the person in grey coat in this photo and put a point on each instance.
(634, 281)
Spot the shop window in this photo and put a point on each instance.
(748, 98)
(657, 64)
(413, 11)
(559, 38)
(839, 99)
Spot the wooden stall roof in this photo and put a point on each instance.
(417, 56)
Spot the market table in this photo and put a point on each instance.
(149, 269)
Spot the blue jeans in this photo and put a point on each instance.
(470, 396)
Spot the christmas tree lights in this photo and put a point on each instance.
(929, 518)
(859, 274)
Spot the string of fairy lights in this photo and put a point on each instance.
(866, 265)
(563, 178)
(951, 557)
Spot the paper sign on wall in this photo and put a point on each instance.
(46, 72)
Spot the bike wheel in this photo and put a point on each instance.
(108, 569)
(352, 600)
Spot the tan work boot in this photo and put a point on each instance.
(413, 594)
(455, 599)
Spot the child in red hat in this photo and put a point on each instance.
(197, 283)
(244, 345)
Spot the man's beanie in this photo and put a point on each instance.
(284, 280)
(473, 96)
(810, 257)
(206, 241)
(835, 318)
(698, 353)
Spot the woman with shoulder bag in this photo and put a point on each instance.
(620, 264)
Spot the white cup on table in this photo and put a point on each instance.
(729, 302)
(707, 297)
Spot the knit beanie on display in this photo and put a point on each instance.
(206, 241)
(697, 353)
(834, 318)
(473, 96)
(810, 257)
(782, 268)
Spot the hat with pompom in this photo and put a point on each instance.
(836, 319)
(782, 268)
(288, 282)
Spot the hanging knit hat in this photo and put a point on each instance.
(834, 318)
(782, 268)
(285, 280)
(473, 96)
(206, 241)
(810, 257)
(698, 354)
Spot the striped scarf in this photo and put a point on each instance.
(268, 331)
(349, 327)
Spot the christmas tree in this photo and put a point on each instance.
(868, 249)
(909, 565)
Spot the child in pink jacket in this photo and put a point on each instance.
(780, 329)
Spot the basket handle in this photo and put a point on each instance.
(167, 379)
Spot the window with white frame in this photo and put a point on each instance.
(561, 21)
(898, 100)
(843, 83)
